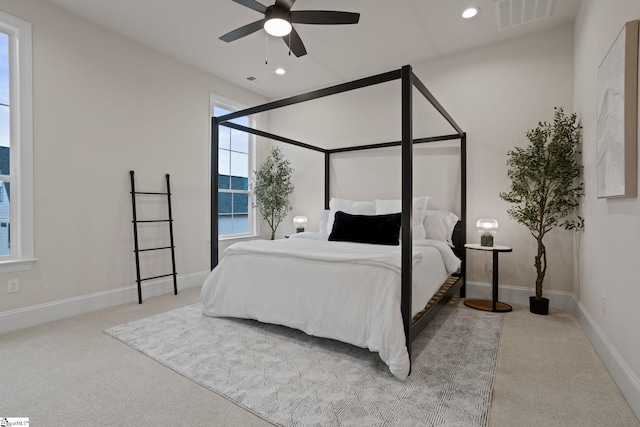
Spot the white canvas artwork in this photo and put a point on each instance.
(613, 133)
(610, 141)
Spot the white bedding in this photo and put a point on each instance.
(345, 291)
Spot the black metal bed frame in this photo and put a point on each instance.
(408, 81)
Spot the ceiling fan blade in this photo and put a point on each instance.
(285, 4)
(294, 42)
(243, 31)
(324, 17)
(252, 4)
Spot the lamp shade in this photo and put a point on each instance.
(487, 227)
(300, 222)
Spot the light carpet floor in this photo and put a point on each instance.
(293, 379)
(70, 372)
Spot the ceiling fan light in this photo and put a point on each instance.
(470, 12)
(277, 27)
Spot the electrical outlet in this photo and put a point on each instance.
(13, 285)
(604, 305)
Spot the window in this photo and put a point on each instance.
(16, 213)
(235, 216)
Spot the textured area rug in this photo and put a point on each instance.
(292, 379)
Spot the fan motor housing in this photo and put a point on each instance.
(274, 12)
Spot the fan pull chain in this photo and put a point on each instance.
(266, 48)
(290, 42)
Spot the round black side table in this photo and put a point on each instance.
(494, 305)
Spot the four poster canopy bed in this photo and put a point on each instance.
(356, 282)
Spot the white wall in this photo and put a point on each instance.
(104, 105)
(495, 93)
(609, 248)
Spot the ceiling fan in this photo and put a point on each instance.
(279, 17)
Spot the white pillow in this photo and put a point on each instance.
(324, 221)
(439, 225)
(383, 207)
(347, 206)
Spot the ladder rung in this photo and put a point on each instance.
(151, 192)
(153, 220)
(156, 277)
(155, 249)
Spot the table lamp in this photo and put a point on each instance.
(487, 227)
(300, 222)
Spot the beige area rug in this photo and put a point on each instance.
(292, 379)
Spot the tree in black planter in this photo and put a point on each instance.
(546, 187)
(272, 186)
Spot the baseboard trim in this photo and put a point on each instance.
(56, 310)
(621, 373)
(520, 295)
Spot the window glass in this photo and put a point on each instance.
(240, 204)
(4, 69)
(5, 143)
(224, 168)
(239, 165)
(239, 141)
(234, 209)
(5, 133)
(224, 137)
(4, 128)
(5, 220)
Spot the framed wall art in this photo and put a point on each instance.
(617, 126)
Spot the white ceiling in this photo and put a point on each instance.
(390, 34)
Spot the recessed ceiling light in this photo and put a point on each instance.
(470, 12)
(280, 71)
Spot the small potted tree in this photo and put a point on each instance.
(272, 186)
(546, 187)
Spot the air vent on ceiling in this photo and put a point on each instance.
(510, 13)
(253, 79)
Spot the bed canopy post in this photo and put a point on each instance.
(463, 211)
(407, 202)
(215, 128)
(327, 177)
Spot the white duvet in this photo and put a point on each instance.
(345, 291)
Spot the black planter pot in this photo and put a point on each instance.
(540, 306)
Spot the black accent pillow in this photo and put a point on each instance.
(373, 229)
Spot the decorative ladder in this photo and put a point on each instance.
(137, 250)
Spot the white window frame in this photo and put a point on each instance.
(21, 140)
(231, 105)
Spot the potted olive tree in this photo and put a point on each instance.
(546, 187)
(272, 186)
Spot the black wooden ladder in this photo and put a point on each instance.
(137, 250)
